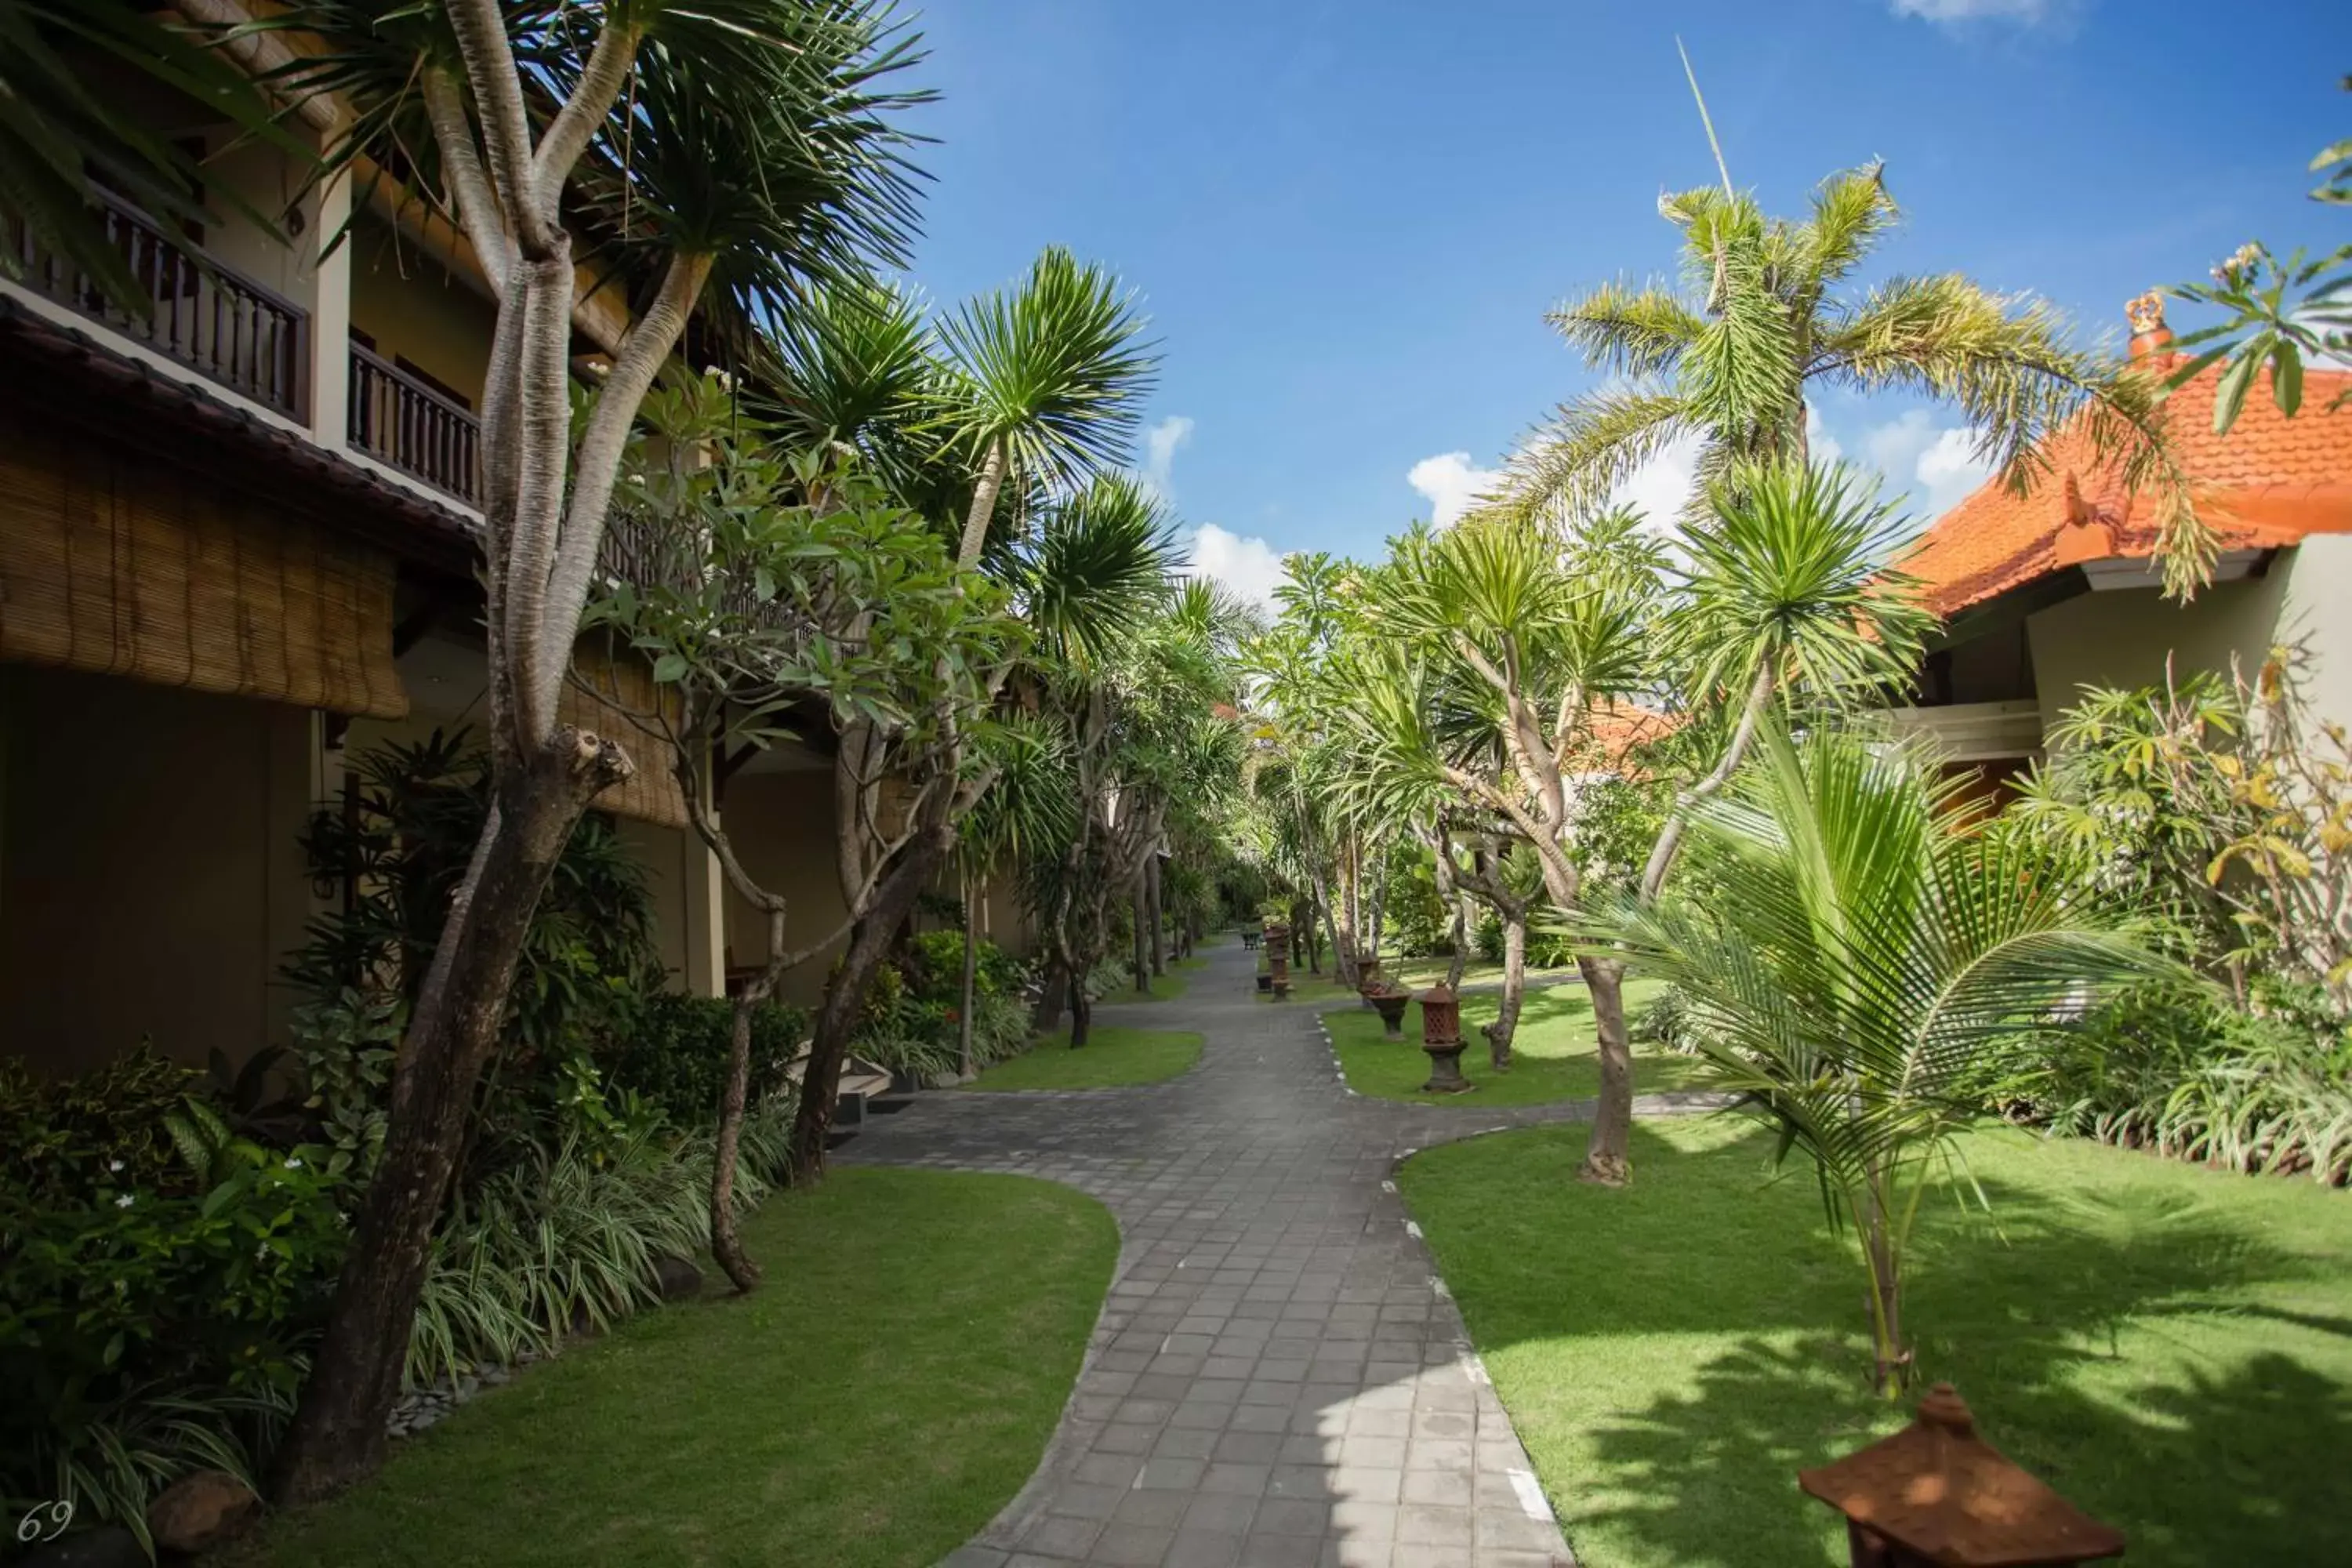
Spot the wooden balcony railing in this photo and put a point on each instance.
(405, 423)
(208, 316)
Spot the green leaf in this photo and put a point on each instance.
(2286, 377)
(669, 669)
(2231, 397)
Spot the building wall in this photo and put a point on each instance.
(2315, 583)
(446, 682)
(782, 827)
(150, 879)
(2123, 637)
(416, 310)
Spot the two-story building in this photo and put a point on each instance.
(2045, 594)
(238, 545)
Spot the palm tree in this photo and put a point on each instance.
(1785, 592)
(1765, 315)
(1049, 379)
(1860, 952)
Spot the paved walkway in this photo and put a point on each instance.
(1278, 1379)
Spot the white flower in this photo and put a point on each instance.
(123, 1202)
(115, 1164)
(293, 1162)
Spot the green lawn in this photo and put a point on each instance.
(1312, 991)
(2169, 1347)
(1421, 973)
(1112, 1056)
(1165, 987)
(1552, 1059)
(888, 1389)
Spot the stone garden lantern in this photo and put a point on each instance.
(1441, 1037)
(1368, 973)
(1388, 1002)
(1935, 1493)
(1277, 958)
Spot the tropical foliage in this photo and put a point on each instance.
(1863, 955)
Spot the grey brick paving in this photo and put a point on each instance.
(1278, 1378)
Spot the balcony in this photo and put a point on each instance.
(205, 316)
(404, 424)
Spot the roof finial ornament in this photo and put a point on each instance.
(2146, 311)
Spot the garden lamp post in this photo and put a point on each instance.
(1441, 1037)
(1936, 1494)
(1389, 1003)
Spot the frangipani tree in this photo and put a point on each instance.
(745, 142)
(1767, 313)
(779, 591)
(1863, 952)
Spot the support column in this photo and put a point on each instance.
(705, 892)
(330, 318)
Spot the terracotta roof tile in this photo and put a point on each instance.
(2271, 481)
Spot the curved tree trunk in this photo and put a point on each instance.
(1505, 1026)
(1609, 1158)
(337, 1435)
(726, 1244)
(1082, 1015)
(836, 1019)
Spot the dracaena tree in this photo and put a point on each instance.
(738, 145)
(1045, 383)
(1766, 312)
(782, 593)
(1530, 632)
(1783, 594)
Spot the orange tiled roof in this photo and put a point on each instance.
(1616, 730)
(2271, 481)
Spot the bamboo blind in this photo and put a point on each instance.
(145, 571)
(614, 697)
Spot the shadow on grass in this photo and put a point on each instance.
(2140, 1339)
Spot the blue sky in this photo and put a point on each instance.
(1346, 219)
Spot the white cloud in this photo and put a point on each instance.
(1248, 566)
(1661, 488)
(1937, 466)
(1453, 484)
(1819, 445)
(1951, 13)
(1160, 444)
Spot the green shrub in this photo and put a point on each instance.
(2182, 1073)
(673, 1050)
(161, 1280)
(1667, 1022)
(65, 1141)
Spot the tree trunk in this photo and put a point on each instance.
(1891, 1361)
(836, 1019)
(1151, 897)
(1051, 997)
(725, 1245)
(1505, 1026)
(1609, 1159)
(1141, 961)
(337, 1435)
(984, 491)
(1462, 925)
(1082, 1015)
(971, 971)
